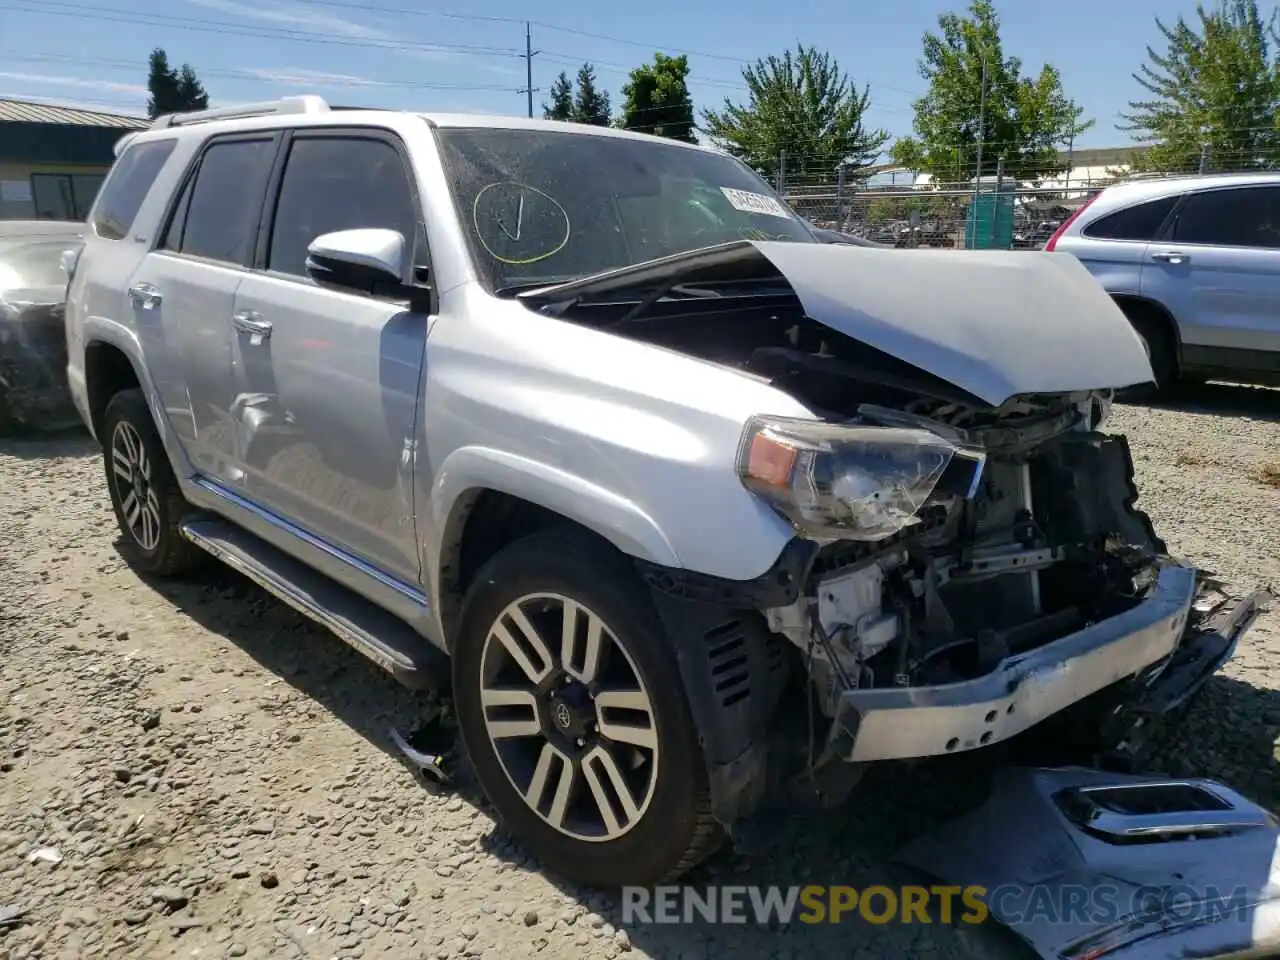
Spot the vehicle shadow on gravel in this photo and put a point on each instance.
(1232, 734)
(48, 446)
(1230, 737)
(839, 847)
(1222, 400)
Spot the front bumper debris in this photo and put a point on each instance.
(911, 722)
(33, 359)
(1085, 865)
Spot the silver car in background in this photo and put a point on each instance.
(1194, 262)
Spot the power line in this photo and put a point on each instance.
(195, 25)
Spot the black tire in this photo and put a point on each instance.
(1162, 351)
(171, 553)
(676, 831)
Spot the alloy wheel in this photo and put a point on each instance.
(131, 474)
(569, 717)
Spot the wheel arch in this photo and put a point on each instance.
(482, 499)
(113, 361)
(1135, 305)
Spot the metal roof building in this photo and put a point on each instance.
(54, 158)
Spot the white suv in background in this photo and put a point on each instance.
(1194, 262)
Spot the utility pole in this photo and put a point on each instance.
(529, 53)
(982, 136)
(1071, 149)
(982, 119)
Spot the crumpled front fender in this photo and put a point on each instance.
(1086, 865)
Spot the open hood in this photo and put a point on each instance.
(1086, 865)
(994, 324)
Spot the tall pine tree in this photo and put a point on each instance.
(170, 90)
(590, 105)
(561, 106)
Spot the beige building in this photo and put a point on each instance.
(53, 159)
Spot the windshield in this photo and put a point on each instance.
(548, 206)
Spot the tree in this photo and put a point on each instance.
(656, 99)
(1021, 120)
(561, 107)
(190, 90)
(173, 91)
(1214, 87)
(589, 104)
(805, 106)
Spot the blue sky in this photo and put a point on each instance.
(464, 56)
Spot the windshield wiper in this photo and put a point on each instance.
(666, 273)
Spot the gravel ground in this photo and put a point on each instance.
(211, 773)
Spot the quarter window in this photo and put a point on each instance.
(1139, 222)
(339, 183)
(127, 186)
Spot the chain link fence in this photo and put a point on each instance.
(939, 215)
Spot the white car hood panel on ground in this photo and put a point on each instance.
(993, 323)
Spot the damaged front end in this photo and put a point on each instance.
(968, 561)
(993, 574)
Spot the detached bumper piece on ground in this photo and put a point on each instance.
(1085, 865)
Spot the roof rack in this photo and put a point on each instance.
(286, 105)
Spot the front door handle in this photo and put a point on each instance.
(145, 295)
(1172, 256)
(251, 322)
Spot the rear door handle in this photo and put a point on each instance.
(251, 322)
(145, 295)
(1172, 256)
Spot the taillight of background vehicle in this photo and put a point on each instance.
(1053, 240)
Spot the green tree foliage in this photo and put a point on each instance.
(561, 107)
(173, 90)
(1215, 84)
(1026, 120)
(656, 99)
(803, 105)
(590, 105)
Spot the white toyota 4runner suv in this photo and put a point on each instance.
(702, 514)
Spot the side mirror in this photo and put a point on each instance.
(365, 260)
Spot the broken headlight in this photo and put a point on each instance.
(851, 482)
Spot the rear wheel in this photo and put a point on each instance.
(148, 504)
(572, 710)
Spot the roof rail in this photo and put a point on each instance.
(305, 104)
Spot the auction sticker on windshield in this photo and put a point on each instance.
(749, 202)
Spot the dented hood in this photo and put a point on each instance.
(993, 323)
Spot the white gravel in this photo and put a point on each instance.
(214, 776)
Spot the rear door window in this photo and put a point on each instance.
(127, 186)
(1240, 217)
(1140, 222)
(220, 220)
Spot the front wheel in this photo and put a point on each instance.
(572, 710)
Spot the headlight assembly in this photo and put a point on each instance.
(851, 482)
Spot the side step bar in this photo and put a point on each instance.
(385, 639)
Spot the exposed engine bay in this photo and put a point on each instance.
(1029, 536)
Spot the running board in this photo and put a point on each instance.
(382, 637)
